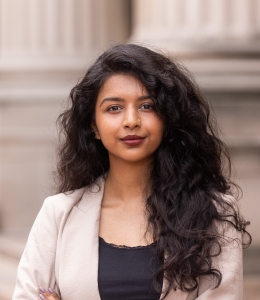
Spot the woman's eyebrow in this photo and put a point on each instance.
(145, 97)
(118, 99)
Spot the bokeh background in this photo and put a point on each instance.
(45, 48)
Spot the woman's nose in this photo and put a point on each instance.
(131, 119)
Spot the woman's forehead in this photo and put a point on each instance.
(122, 84)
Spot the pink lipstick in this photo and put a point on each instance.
(132, 140)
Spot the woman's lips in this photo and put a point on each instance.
(132, 140)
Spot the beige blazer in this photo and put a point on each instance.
(62, 253)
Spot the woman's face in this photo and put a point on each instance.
(126, 121)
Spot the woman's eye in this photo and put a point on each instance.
(147, 106)
(114, 108)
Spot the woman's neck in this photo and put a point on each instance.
(128, 181)
(124, 205)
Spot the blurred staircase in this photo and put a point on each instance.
(10, 252)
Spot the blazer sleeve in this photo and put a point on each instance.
(36, 267)
(230, 264)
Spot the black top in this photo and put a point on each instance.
(126, 273)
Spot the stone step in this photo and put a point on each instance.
(252, 287)
(10, 252)
(8, 268)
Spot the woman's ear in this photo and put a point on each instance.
(95, 130)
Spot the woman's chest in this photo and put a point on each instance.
(128, 272)
(123, 226)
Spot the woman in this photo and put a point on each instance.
(150, 213)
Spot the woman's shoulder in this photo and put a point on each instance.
(228, 214)
(226, 203)
(65, 200)
(63, 203)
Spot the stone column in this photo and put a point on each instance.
(219, 41)
(45, 47)
(60, 31)
(45, 29)
(199, 26)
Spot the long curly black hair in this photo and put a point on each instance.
(191, 169)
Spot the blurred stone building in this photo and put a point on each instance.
(46, 46)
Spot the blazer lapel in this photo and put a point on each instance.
(78, 278)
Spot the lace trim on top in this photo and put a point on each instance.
(111, 245)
